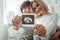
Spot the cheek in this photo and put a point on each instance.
(27, 10)
(31, 10)
(42, 11)
(23, 11)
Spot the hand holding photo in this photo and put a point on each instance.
(28, 19)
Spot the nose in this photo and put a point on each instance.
(37, 9)
(39, 14)
(27, 11)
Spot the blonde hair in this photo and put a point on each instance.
(41, 3)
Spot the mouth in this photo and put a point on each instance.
(39, 14)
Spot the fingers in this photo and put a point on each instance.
(40, 29)
(36, 32)
(37, 26)
(57, 34)
(53, 38)
(17, 19)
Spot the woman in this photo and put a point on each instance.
(42, 11)
(42, 14)
(26, 7)
(44, 27)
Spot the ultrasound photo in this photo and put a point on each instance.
(27, 19)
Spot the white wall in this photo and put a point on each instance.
(11, 8)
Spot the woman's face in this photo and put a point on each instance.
(27, 10)
(38, 9)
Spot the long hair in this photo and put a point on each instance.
(42, 4)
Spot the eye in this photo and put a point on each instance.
(41, 14)
(37, 5)
(34, 9)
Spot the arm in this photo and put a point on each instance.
(39, 30)
(55, 36)
(47, 28)
(52, 24)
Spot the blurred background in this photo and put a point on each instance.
(10, 8)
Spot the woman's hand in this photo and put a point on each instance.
(39, 29)
(16, 19)
(55, 36)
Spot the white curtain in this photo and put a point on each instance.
(3, 28)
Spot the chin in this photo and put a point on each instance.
(17, 29)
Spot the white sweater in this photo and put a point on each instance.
(15, 34)
(49, 21)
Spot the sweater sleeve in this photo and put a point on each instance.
(51, 24)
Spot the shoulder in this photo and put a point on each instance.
(11, 30)
(52, 16)
(55, 15)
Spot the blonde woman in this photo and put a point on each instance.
(45, 23)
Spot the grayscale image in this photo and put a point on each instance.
(27, 19)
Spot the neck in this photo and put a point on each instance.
(15, 27)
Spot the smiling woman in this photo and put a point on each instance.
(12, 8)
(45, 27)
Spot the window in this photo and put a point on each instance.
(10, 8)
